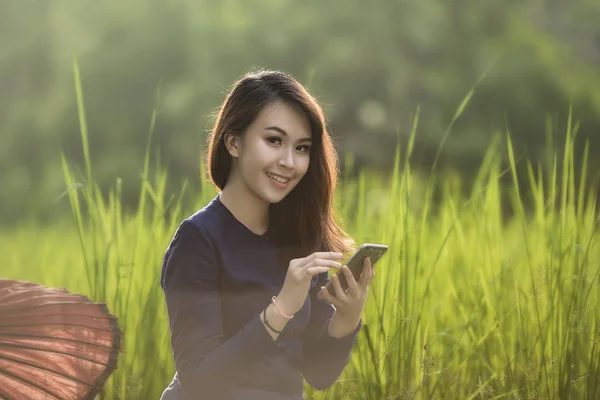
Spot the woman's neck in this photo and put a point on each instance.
(249, 210)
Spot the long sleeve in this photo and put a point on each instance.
(324, 357)
(203, 359)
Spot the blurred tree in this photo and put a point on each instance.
(371, 65)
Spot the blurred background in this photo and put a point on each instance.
(517, 67)
(457, 76)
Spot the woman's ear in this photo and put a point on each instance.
(232, 143)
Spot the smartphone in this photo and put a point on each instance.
(355, 263)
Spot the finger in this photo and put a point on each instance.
(352, 285)
(327, 296)
(339, 292)
(332, 255)
(319, 262)
(312, 271)
(367, 273)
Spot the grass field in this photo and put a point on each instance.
(474, 299)
(466, 304)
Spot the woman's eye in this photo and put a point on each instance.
(305, 148)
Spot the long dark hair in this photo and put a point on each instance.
(304, 221)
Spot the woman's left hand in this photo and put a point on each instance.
(349, 306)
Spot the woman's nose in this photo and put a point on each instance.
(287, 160)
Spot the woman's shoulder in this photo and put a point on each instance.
(207, 219)
(192, 240)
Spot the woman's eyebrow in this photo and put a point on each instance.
(284, 133)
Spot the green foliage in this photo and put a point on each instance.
(490, 288)
(468, 302)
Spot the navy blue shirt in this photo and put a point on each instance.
(218, 276)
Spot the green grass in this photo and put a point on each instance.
(474, 299)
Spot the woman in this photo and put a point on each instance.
(241, 276)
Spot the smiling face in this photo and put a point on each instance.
(276, 146)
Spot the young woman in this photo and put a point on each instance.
(241, 276)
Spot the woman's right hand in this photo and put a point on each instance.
(299, 275)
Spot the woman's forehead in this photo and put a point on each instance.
(286, 118)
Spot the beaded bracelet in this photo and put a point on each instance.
(279, 310)
(267, 322)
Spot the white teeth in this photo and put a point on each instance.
(278, 179)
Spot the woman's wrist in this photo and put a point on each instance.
(340, 326)
(281, 309)
(283, 304)
(275, 320)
